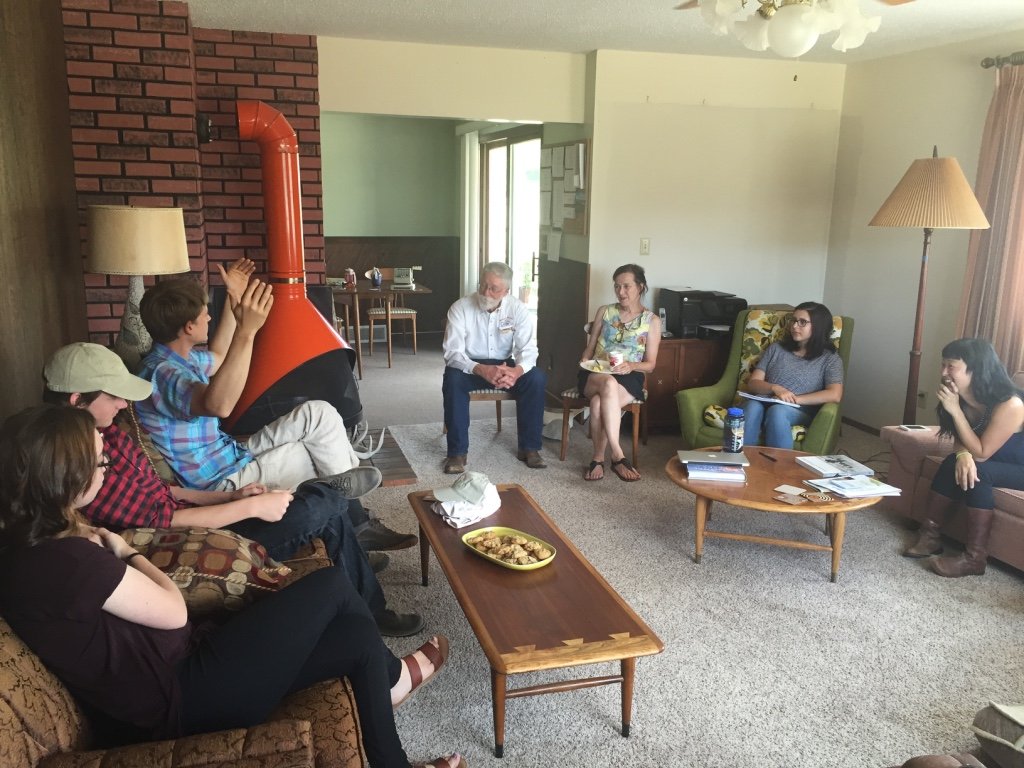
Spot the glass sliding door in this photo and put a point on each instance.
(511, 210)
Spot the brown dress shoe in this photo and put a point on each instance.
(455, 465)
(532, 459)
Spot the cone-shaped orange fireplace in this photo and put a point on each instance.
(295, 332)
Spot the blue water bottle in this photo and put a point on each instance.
(732, 440)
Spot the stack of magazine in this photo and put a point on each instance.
(726, 473)
(853, 486)
(717, 466)
(836, 465)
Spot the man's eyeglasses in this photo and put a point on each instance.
(803, 322)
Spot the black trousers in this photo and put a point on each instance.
(313, 630)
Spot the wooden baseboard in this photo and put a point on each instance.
(864, 427)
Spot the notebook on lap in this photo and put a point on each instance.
(713, 457)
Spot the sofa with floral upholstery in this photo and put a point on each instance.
(702, 409)
(42, 725)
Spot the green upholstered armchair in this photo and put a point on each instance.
(702, 409)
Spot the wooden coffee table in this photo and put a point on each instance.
(769, 468)
(562, 615)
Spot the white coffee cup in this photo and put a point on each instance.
(615, 359)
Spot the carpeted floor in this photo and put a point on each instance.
(767, 663)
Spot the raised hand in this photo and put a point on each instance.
(236, 277)
(948, 396)
(254, 306)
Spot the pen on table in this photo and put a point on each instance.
(767, 456)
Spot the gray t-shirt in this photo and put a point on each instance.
(798, 375)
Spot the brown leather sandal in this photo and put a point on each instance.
(442, 762)
(436, 655)
(588, 475)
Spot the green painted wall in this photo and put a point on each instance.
(389, 175)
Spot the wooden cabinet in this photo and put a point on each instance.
(682, 363)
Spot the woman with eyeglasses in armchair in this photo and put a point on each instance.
(803, 370)
(623, 341)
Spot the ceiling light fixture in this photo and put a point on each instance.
(789, 28)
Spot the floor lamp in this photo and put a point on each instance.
(135, 241)
(933, 194)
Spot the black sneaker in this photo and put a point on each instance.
(354, 483)
(377, 537)
(378, 561)
(391, 624)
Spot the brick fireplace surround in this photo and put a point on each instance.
(138, 73)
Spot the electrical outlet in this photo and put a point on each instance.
(645, 246)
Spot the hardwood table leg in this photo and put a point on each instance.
(628, 673)
(703, 508)
(838, 529)
(424, 557)
(359, 335)
(387, 325)
(498, 681)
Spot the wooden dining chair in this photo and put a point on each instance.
(390, 312)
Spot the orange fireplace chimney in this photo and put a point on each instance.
(295, 332)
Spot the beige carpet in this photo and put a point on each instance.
(767, 663)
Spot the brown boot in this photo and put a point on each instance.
(972, 561)
(929, 539)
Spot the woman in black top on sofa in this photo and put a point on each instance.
(114, 628)
(982, 409)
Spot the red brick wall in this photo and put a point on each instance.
(138, 73)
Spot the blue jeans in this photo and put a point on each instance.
(320, 512)
(778, 422)
(528, 393)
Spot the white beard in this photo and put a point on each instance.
(486, 303)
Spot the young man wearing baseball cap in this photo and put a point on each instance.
(92, 377)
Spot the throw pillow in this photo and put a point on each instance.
(216, 570)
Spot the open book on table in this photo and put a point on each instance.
(766, 399)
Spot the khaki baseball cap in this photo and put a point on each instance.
(84, 367)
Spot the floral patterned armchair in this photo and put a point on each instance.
(702, 409)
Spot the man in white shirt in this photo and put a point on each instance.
(490, 343)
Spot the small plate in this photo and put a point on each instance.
(596, 366)
(498, 531)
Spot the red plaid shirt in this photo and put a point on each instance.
(133, 495)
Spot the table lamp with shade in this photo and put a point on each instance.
(124, 240)
(933, 194)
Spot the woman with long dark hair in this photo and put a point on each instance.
(803, 370)
(114, 628)
(624, 339)
(983, 411)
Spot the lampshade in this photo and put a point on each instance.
(933, 194)
(136, 241)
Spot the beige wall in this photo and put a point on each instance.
(727, 165)
(753, 176)
(895, 109)
(389, 78)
